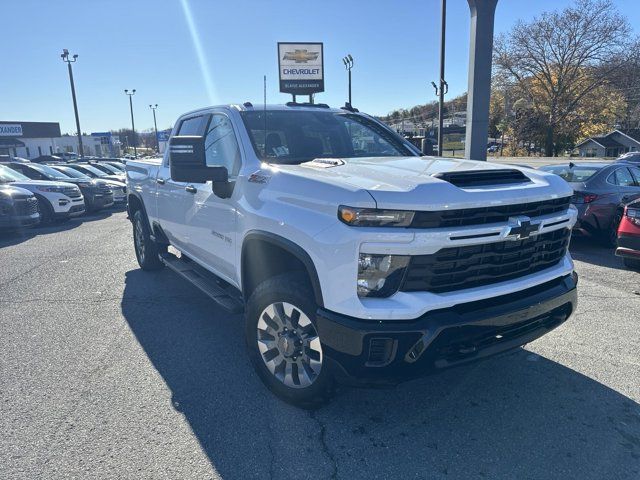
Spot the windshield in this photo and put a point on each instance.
(110, 168)
(291, 137)
(575, 174)
(90, 170)
(52, 173)
(72, 173)
(9, 175)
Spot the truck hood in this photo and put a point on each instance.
(409, 182)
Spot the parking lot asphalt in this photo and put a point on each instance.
(107, 371)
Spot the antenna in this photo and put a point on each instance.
(264, 150)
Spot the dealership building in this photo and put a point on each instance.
(32, 139)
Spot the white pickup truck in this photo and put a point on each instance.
(354, 258)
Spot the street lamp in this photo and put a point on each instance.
(133, 125)
(155, 125)
(69, 61)
(348, 64)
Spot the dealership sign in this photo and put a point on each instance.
(10, 130)
(301, 68)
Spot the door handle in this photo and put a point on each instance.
(161, 181)
(191, 189)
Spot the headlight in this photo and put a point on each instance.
(380, 275)
(52, 189)
(371, 217)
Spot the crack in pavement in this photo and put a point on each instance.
(323, 444)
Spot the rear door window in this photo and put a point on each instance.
(622, 177)
(636, 174)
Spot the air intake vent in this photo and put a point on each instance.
(381, 351)
(477, 178)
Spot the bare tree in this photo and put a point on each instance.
(559, 58)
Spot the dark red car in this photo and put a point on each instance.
(629, 235)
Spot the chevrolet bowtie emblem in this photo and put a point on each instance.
(523, 228)
(301, 56)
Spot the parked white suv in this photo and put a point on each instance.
(353, 257)
(56, 200)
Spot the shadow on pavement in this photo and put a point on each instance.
(15, 237)
(590, 250)
(517, 416)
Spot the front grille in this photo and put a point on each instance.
(76, 208)
(27, 206)
(485, 215)
(457, 268)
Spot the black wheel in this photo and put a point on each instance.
(46, 210)
(631, 263)
(283, 342)
(147, 251)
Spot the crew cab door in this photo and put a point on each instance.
(211, 219)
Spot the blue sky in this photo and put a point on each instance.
(148, 45)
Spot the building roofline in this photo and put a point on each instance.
(590, 139)
(625, 135)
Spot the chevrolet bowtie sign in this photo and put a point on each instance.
(301, 68)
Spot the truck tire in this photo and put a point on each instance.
(283, 341)
(147, 251)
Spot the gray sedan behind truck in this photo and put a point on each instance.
(600, 191)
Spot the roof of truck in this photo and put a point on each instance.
(290, 106)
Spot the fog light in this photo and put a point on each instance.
(380, 275)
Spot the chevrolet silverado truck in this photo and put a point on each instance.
(353, 258)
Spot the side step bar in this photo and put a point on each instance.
(218, 290)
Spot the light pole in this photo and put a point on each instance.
(133, 125)
(155, 125)
(348, 64)
(442, 88)
(69, 61)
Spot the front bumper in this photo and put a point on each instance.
(628, 246)
(97, 200)
(74, 211)
(388, 352)
(19, 221)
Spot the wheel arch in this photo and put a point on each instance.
(274, 255)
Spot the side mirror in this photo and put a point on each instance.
(188, 162)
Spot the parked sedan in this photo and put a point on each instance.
(97, 193)
(629, 235)
(18, 208)
(599, 192)
(119, 189)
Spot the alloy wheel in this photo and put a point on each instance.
(289, 345)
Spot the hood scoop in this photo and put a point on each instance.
(479, 178)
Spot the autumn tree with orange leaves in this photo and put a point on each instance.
(560, 64)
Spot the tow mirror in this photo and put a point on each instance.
(188, 162)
